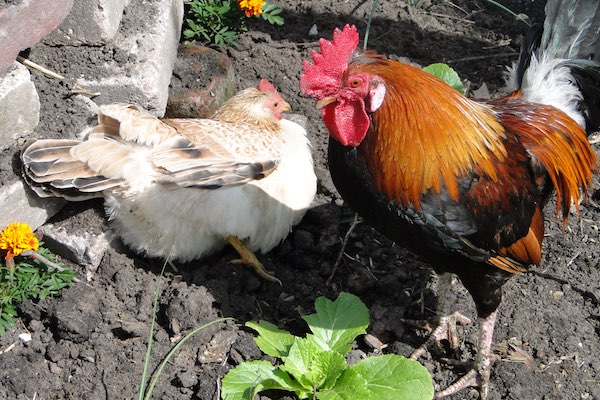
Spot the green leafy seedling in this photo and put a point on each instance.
(314, 367)
(447, 74)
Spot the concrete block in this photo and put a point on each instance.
(19, 105)
(149, 38)
(25, 23)
(19, 203)
(203, 79)
(90, 22)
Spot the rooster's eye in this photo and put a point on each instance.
(356, 83)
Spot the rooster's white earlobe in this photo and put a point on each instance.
(376, 95)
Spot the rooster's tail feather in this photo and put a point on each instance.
(559, 63)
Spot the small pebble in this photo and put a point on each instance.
(25, 338)
(55, 369)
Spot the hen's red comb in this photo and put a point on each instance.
(323, 76)
(266, 86)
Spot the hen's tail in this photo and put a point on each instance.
(52, 169)
(559, 63)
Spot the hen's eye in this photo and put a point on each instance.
(355, 83)
(276, 104)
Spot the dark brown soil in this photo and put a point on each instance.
(90, 343)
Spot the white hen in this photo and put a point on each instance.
(183, 188)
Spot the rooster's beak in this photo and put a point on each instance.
(325, 101)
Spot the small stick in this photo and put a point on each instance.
(76, 89)
(44, 70)
(294, 44)
(572, 260)
(475, 58)
(459, 19)
(343, 249)
(9, 347)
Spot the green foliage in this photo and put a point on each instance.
(219, 21)
(28, 279)
(315, 367)
(447, 74)
(271, 14)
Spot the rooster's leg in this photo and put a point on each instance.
(247, 257)
(445, 330)
(445, 322)
(479, 376)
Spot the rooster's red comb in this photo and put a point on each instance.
(323, 76)
(266, 86)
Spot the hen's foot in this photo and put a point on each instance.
(247, 257)
(445, 330)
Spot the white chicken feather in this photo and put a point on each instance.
(183, 188)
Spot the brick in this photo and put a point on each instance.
(19, 105)
(150, 35)
(90, 22)
(23, 24)
(19, 203)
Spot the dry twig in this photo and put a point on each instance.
(75, 90)
(343, 249)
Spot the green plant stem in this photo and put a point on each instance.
(508, 10)
(164, 362)
(151, 334)
(374, 5)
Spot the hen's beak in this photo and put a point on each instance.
(286, 107)
(325, 101)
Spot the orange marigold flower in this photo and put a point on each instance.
(251, 7)
(16, 238)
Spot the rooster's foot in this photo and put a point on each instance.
(479, 376)
(445, 330)
(247, 257)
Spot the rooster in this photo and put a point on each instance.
(182, 188)
(463, 182)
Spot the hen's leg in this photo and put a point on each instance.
(479, 376)
(247, 257)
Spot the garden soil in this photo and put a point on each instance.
(90, 343)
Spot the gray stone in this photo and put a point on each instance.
(19, 105)
(19, 203)
(90, 22)
(82, 248)
(24, 24)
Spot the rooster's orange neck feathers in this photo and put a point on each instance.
(434, 135)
